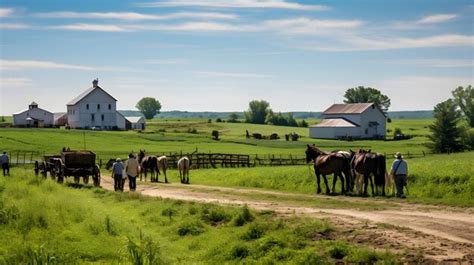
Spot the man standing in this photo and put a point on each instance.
(5, 161)
(117, 171)
(132, 171)
(400, 172)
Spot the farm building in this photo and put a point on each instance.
(137, 123)
(60, 119)
(95, 108)
(358, 121)
(33, 117)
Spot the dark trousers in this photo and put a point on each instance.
(132, 183)
(400, 181)
(118, 182)
(6, 169)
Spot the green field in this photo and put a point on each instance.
(46, 223)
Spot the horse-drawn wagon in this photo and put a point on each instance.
(75, 164)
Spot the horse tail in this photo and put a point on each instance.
(381, 169)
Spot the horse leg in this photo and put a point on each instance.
(328, 191)
(342, 183)
(180, 176)
(334, 182)
(318, 181)
(366, 181)
(166, 178)
(372, 184)
(187, 176)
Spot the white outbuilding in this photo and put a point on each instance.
(33, 117)
(94, 108)
(350, 121)
(137, 123)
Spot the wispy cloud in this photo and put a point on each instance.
(441, 63)
(270, 4)
(357, 43)
(91, 27)
(15, 82)
(14, 26)
(6, 12)
(164, 61)
(230, 74)
(438, 18)
(15, 65)
(303, 25)
(136, 16)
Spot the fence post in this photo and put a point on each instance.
(24, 157)
(17, 156)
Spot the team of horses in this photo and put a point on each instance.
(354, 169)
(157, 164)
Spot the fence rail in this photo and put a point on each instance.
(198, 160)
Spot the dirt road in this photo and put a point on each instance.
(424, 232)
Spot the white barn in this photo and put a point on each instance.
(137, 123)
(33, 117)
(357, 121)
(94, 108)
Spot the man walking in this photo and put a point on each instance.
(117, 171)
(5, 161)
(400, 172)
(132, 168)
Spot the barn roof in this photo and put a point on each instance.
(134, 119)
(355, 108)
(336, 122)
(58, 115)
(84, 94)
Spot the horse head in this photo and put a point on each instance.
(141, 155)
(312, 152)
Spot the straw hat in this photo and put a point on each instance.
(118, 160)
(398, 155)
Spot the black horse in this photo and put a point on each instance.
(148, 163)
(370, 164)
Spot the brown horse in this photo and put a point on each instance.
(368, 164)
(326, 164)
(148, 163)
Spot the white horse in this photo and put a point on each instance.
(183, 167)
(162, 163)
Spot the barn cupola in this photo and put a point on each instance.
(95, 83)
(33, 105)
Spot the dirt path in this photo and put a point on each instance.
(439, 233)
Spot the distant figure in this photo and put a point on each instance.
(132, 169)
(247, 135)
(183, 168)
(117, 171)
(400, 173)
(5, 161)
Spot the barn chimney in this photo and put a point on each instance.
(95, 83)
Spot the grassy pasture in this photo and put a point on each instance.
(44, 223)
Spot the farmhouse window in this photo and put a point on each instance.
(102, 117)
(98, 106)
(110, 106)
(87, 106)
(92, 117)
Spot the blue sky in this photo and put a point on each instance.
(213, 55)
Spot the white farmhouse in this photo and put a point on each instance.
(33, 117)
(358, 121)
(94, 108)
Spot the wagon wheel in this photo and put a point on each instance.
(52, 173)
(60, 174)
(96, 176)
(36, 168)
(43, 169)
(85, 179)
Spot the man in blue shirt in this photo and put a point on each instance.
(5, 161)
(117, 171)
(400, 172)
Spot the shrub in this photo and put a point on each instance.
(191, 228)
(215, 216)
(255, 231)
(147, 252)
(339, 250)
(218, 120)
(170, 212)
(110, 227)
(244, 217)
(239, 252)
(39, 256)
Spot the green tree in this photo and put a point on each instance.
(446, 134)
(233, 117)
(464, 99)
(257, 112)
(149, 107)
(367, 95)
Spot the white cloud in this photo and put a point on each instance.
(91, 27)
(195, 26)
(164, 61)
(438, 18)
(273, 4)
(304, 25)
(13, 26)
(357, 43)
(136, 16)
(441, 63)
(15, 65)
(15, 82)
(228, 74)
(6, 12)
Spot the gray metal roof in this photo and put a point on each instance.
(134, 119)
(355, 108)
(337, 122)
(84, 94)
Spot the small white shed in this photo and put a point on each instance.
(137, 123)
(359, 121)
